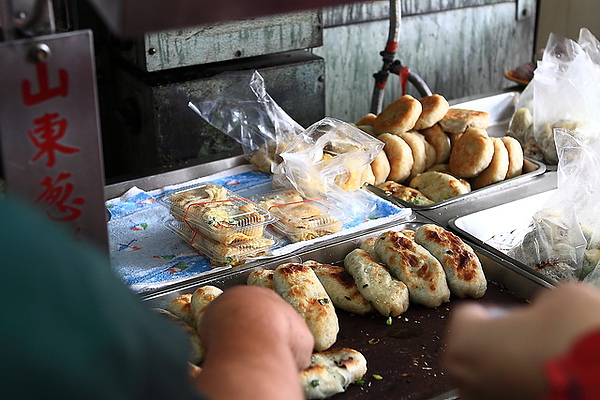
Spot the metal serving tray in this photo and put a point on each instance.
(407, 353)
(484, 191)
(499, 228)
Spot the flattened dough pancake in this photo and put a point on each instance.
(458, 120)
(440, 141)
(411, 263)
(381, 167)
(201, 298)
(435, 108)
(367, 119)
(515, 156)
(341, 288)
(405, 193)
(399, 116)
(462, 266)
(399, 155)
(496, 171)
(389, 296)
(299, 286)
(181, 307)
(261, 277)
(417, 147)
(472, 153)
(439, 186)
(331, 372)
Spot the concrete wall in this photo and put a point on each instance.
(460, 48)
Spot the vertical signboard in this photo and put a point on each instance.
(49, 130)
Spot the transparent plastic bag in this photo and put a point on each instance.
(330, 163)
(334, 154)
(563, 240)
(563, 94)
(245, 111)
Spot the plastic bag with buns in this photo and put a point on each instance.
(563, 239)
(563, 94)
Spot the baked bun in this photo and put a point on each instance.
(417, 147)
(399, 155)
(430, 152)
(399, 116)
(439, 186)
(367, 119)
(515, 156)
(434, 109)
(458, 120)
(440, 141)
(496, 171)
(381, 167)
(472, 153)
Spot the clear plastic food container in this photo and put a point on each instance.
(297, 218)
(217, 213)
(220, 254)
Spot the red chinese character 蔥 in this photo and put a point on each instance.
(57, 193)
(45, 91)
(49, 130)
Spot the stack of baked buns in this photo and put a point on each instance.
(433, 152)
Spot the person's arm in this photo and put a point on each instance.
(493, 356)
(256, 344)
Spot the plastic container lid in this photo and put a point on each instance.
(220, 254)
(217, 213)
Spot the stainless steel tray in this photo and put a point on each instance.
(499, 228)
(407, 354)
(484, 191)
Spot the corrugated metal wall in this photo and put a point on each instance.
(460, 48)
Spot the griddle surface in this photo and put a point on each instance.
(406, 354)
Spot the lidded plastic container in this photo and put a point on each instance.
(297, 218)
(217, 213)
(221, 254)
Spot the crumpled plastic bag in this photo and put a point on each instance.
(563, 239)
(563, 94)
(245, 111)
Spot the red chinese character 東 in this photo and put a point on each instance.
(46, 135)
(58, 193)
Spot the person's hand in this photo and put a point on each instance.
(256, 344)
(492, 356)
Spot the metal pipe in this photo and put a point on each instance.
(388, 57)
(392, 66)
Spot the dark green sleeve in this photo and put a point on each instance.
(70, 328)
